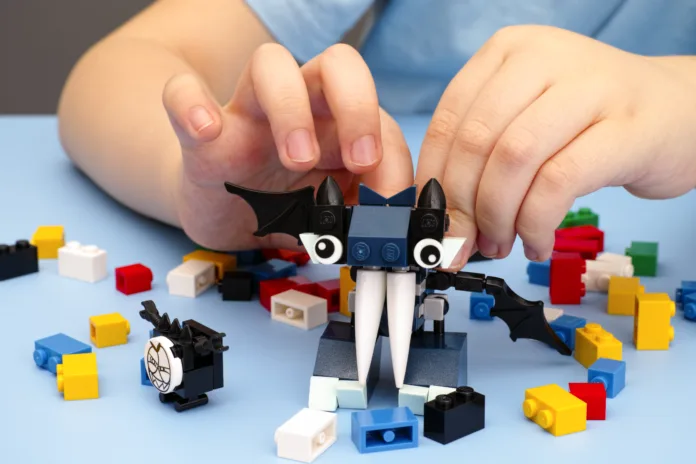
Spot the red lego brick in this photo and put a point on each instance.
(594, 395)
(269, 288)
(588, 232)
(132, 279)
(300, 258)
(330, 290)
(565, 278)
(588, 249)
(309, 288)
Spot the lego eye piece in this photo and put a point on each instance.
(328, 249)
(164, 370)
(428, 253)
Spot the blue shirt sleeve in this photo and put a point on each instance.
(307, 27)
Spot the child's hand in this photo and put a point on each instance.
(541, 116)
(284, 128)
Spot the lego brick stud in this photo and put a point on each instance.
(455, 415)
(593, 342)
(49, 351)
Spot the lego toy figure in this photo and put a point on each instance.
(395, 248)
(183, 361)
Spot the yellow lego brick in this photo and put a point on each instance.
(651, 324)
(555, 410)
(108, 330)
(223, 262)
(593, 342)
(347, 286)
(47, 240)
(77, 377)
(622, 295)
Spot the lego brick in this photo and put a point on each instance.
(566, 327)
(347, 285)
(588, 249)
(108, 330)
(77, 377)
(378, 237)
(300, 258)
(351, 395)
(249, 257)
(689, 307)
(455, 415)
(323, 394)
(652, 329)
(299, 309)
(435, 307)
(688, 287)
(610, 373)
(144, 379)
(237, 286)
(622, 295)
(49, 351)
(437, 359)
(551, 314)
(593, 342)
(480, 305)
(565, 281)
(191, 278)
(581, 217)
(384, 430)
(615, 258)
(599, 273)
(330, 290)
(586, 232)
(555, 410)
(434, 391)
(269, 288)
(18, 260)
(644, 258)
(272, 269)
(539, 273)
(594, 395)
(48, 239)
(132, 279)
(413, 397)
(82, 262)
(223, 262)
(306, 435)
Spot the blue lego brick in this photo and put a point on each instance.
(249, 257)
(565, 327)
(688, 287)
(272, 269)
(384, 430)
(539, 272)
(689, 307)
(480, 305)
(378, 236)
(610, 373)
(49, 351)
(144, 379)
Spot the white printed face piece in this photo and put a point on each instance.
(164, 370)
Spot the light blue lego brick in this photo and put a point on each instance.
(378, 236)
(565, 327)
(144, 379)
(610, 373)
(49, 351)
(480, 305)
(688, 287)
(539, 272)
(384, 430)
(689, 307)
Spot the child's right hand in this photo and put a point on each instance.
(284, 128)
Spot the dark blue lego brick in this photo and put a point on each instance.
(384, 430)
(367, 196)
(688, 287)
(249, 257)
(689, 307)
(480, 305)
(378, 236)
(272, 269)
(49, 351)
(609, 372)
(144, 379)
(565, 327)
(437, 359)
(539, 272)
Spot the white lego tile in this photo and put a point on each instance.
(434, 391)
(299, 309)
(598, 273)
(191, 278)
(434, 307)
(413, 397)
(351, 395)
(551, 314)
(306, 435)
(82, 262)
(322, 393)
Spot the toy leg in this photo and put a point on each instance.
(183, 404)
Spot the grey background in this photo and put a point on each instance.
(40, 41)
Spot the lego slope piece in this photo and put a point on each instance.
(306, 435)
(594, 395)
(565, 282)
(191, 278)
(593, 342)
(347, 285)
(644, 258)
(539, 273)
(555, 410)
(49, 351)
(77, 377)
(610, 373)
(480, 305)
(135, 278)
(455, 415)
(237, 286)
(581, 217)
(18, 260)
(599, 273)
(651, 325)
(566, 327)
(82, 262)
(108, 330)
(48, 239)
(299, 309)
(222, 261)
(622, 295)
(384, 430)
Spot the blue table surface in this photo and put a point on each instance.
(268, 366)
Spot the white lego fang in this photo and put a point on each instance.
(82, 262)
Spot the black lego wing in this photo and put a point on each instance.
(278, 212)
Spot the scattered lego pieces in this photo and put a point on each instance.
(480, 305)
(306, 435)
(191, 278)
(300, 258)
(272, 269)
(593, 342)
(585, 233)
(48, 239)
(599, 273)
(108, 330)
(449, 417)
(652, 329)
(237, 286)
(622, 295)
(611, 373)
(539, 273)
(132, 279)
(644, 258)
(347, 285)
(77, 377)
(565, 281)
(566, 328)
(269, 288)
(49, 351)
(555, 410)
(299, 309)
(144, 379)
(581, 217)
(223, 262)
(594, 395)
(18, 260)
(82, 262)
(384, 430)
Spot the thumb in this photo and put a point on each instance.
(462, 226)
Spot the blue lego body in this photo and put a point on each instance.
(144, 379)
(272, 269)
(539, 273)
(378, 236)
(609, 372)
(367, 196)
(49, 351)
(689, 307)
(480, 305)
(565, 327)
(384, 430)
(688, 287)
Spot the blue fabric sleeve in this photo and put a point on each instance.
(307, 27)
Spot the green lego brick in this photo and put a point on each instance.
(644, 258)
(581, 217)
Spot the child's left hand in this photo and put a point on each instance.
(541, 116)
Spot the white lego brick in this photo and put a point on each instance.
(82, 262)
(615, 258)
(299, 309)
(434, 391)
(351, 301)
(322, 393)
(306, 435)
(191, 278)
(413, 397)
(420, 288)
(551, 314)
(351, 395)
(598, 273)
(434, 307)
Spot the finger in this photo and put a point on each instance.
(338, 80)
(272, 87)
(532, 138)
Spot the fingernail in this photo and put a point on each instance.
(458, 261)
(531, 254)
(199, 118)
(487, 247)
(299, 146)
(364, 151)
